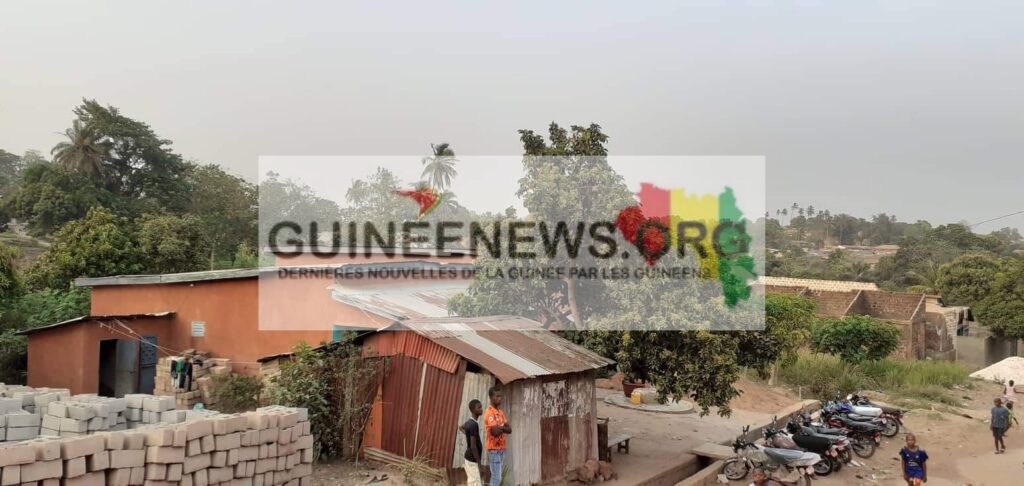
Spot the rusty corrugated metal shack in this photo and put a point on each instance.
(437, 365)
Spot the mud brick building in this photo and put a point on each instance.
(928, 328)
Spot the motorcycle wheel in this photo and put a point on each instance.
(823, 467)
(837, 463)
(864, 447)
(735, 469)
(892, 427)
(845, 455)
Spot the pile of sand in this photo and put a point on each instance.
(1011, 368)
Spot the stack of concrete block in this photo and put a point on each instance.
(149, 409)
(84, 414)
(19, 425)
(271, 446)
(198, 389)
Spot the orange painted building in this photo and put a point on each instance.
(218, 312)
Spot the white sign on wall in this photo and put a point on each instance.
(198, 328)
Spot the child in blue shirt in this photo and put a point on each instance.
(915, 462)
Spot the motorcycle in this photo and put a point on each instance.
(834, 447)
(791, 467)
(824, 446)
(845, 454)
(864, 436)
(893, 414)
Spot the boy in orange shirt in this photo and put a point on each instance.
(497, 426)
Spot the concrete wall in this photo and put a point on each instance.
(69, 356)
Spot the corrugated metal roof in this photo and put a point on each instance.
(93, 319)
(401, 300)
(510, 347)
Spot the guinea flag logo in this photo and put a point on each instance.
(425, 197)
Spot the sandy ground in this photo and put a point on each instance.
(664, 440)
(960, 448)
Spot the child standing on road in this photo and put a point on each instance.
(915, 462)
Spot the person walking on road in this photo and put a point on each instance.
(1000, 422)
(496, 426)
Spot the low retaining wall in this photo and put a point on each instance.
(270, 446)
(708, 476)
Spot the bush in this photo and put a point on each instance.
(337, 386)
(856, 339)
(825, 376)
(235, 393)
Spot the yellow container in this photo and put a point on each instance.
(635, 398)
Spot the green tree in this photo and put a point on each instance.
(11, 167)
(439, 168)
(50, 196)
(225, 207)
(98, 245)
(139, 164)
(171, 244)
(856, 339)
(85, 150)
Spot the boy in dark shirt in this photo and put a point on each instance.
(999, 423)
(474, 450)
(915, 462)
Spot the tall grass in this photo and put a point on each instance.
(824, 377)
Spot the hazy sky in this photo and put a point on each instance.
(903, 107)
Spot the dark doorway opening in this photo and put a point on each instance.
(119, 367)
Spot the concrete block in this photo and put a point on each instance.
(10, 475)
(156, 472)
(229, 441)
(269, 435)
(114, 440)
(45, 432)
(174, 472)
(218, 459)
(98, 462)
(22, 433)
(138, 476)
(74, 467)
(46, 450)
(40, 470)
(128, 458)
(118, 477)
(232, 457)
(198, 428)
(307, 456)
(134, 440)
(250, 453)
(57, 409)
(180, 437)
(208, 443)
(220, 474)
(23, 419)
(200, 478)
(165, 455)
(73, 425)
(304, 442)
(90, 479)
(97, 423)
(134, 400)
(82, 446)
(80, 412)
(194, 463)
(51, 422)
(9, 404)
(159, 436)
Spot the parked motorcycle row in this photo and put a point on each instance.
(805, 449)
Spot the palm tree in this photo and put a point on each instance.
(84, 150)
(440, 167)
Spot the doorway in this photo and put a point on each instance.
(119, 367)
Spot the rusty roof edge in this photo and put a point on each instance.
(76, 320)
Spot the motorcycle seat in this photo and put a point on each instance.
(783, 456)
